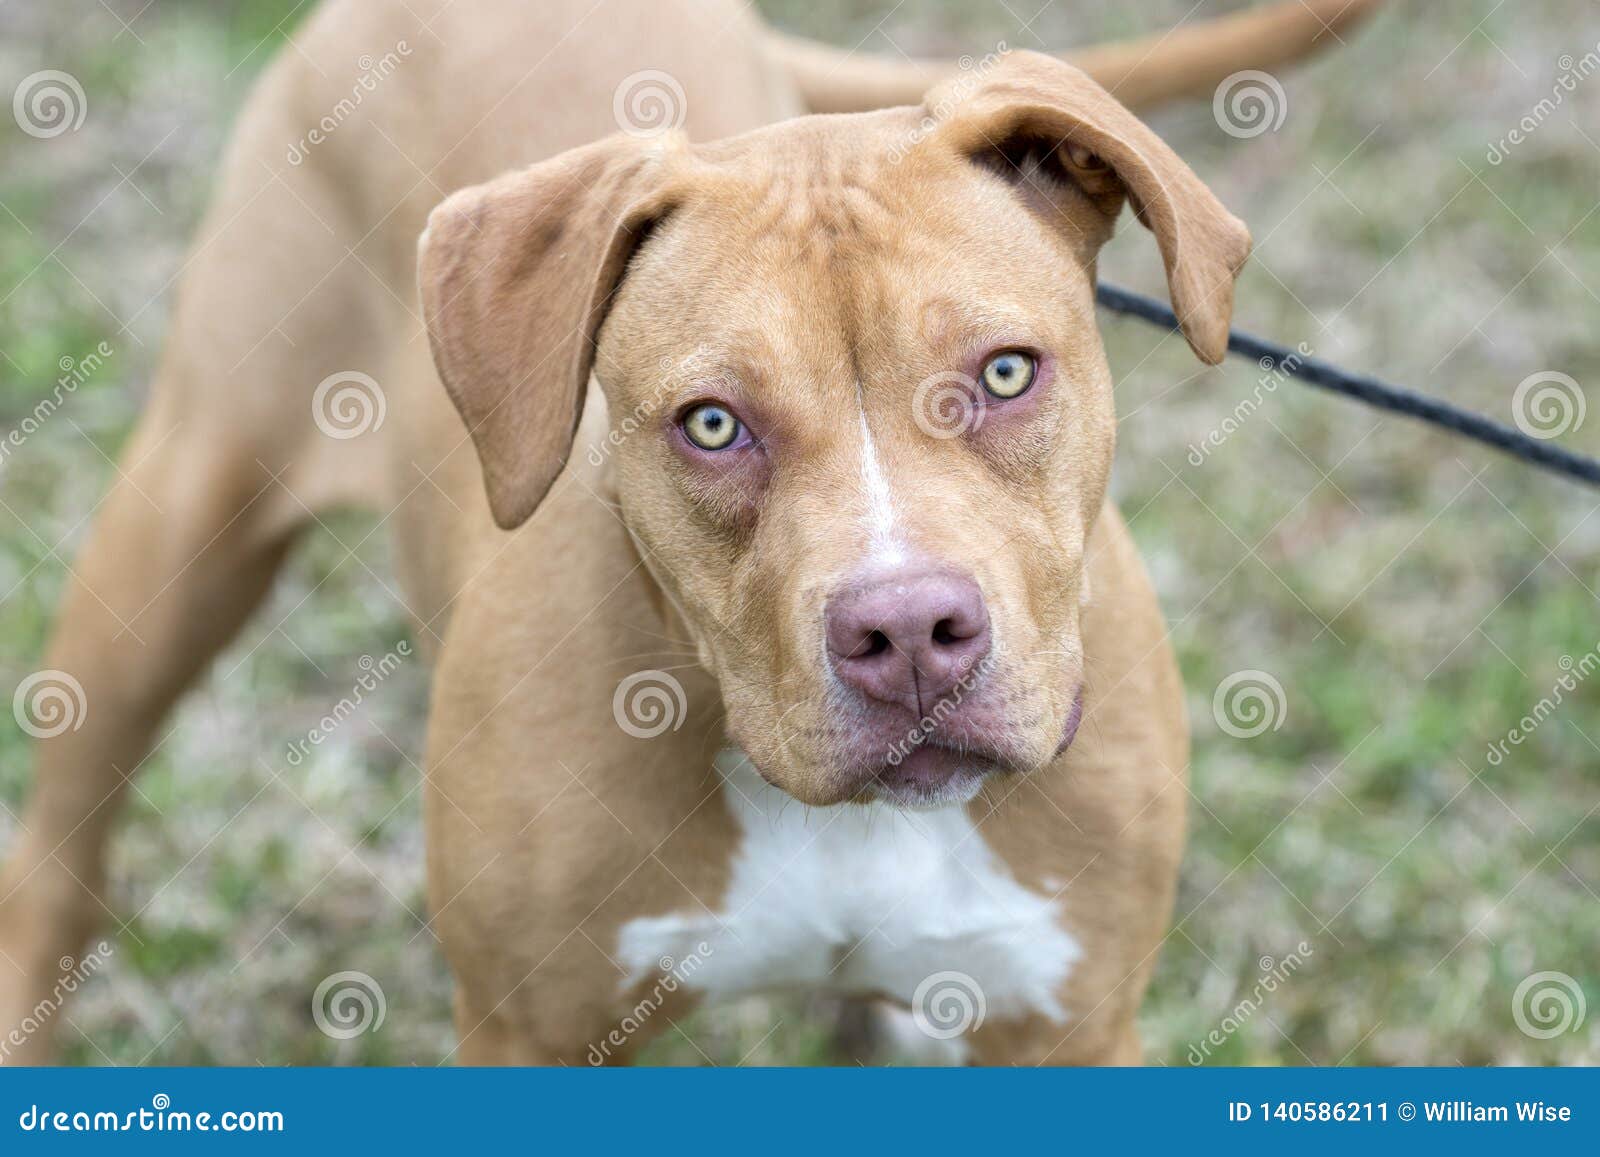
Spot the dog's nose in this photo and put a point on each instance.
(908, 638)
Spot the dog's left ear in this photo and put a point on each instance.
(1033, 110)
(516, 277)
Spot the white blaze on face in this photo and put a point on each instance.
(885, 546)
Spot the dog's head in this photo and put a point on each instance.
(862, 418)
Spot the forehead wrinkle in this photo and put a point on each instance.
(815, 190)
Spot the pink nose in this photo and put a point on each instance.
(908, 638)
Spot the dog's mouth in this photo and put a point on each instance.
(933, 770)
(934, 774)
(1069, 730)
(919, 766)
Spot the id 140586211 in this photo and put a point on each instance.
(1309, 1111)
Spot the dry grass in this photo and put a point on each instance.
(1414, 596)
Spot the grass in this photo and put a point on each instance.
(1412, 595)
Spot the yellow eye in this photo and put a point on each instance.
(711, 427)
(1008, 375)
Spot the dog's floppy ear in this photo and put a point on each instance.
(1033, 108)
(516, 276)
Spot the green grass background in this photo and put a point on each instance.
(1414, 595)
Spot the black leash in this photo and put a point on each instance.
(1373, 391)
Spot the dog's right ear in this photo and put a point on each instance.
(516, 277)
(1036, 107)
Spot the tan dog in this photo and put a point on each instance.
(849, 452)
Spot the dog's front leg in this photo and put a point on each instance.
(569, 789)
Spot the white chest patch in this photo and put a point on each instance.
(861, 899)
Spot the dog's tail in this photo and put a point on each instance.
(1189, 60)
